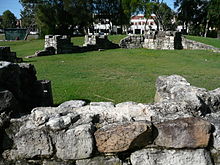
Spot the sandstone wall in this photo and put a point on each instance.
(181, 128)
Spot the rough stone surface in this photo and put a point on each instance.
(72, 104)
(198, 100)
(109, 160)
(4, 118)
(190, 44)
(183, 133)
(61, 44)
(7, 101)
(164, 111)
(32, 143)
(7, 55)
(171, 157)
(77, 143)
(163, 40)
(97, 42)
(21, 81)
(131, 42)
(213, 118)
(178, 132)
(123, 136)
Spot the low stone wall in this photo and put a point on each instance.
(20, 91)
(153, 40)
(165, 40)
(61, 43)
(131, 42)
(181, 128)
(7, 55)
(97, 42)
(58, 44)
(190, 44)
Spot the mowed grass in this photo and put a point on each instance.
(118, 75)
(209, 41)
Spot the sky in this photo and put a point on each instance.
(15, 7)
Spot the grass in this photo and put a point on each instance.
(118, 75)
(209, 41)
(80, 40)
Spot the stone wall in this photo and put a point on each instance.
(190, 44)
(58, 44)
(153, 40)
(131, 42)
(96, 42)
(7, 55)
(165, 40)
(181, 128)
(20, 91)
(61, 44)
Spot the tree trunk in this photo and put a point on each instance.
(206, 28)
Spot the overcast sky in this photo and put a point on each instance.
(15, 7)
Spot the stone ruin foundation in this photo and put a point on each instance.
(7, 55)
(165, 40)
(98, 42)
(20, 91)
(61, 44)
(182, 127)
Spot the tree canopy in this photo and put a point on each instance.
(8, 19)
(198, 16)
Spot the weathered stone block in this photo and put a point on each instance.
(76, 143)
(171, 157)
(33, 143)
(123, 136)
(183, 133)
(107, 160)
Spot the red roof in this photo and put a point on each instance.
(137, 17)
(140, 16)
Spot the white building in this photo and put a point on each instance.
(103, 26)
(139, 24)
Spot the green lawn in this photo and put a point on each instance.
(209, 41)
(118, 75)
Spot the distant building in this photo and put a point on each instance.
(103, 26)
(139, 23)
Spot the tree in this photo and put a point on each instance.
(28, 14)
(198, 16)
(1, 22)
(214, 15)
(111, 10)
(163, 14)
(60, 16)
(8, 20)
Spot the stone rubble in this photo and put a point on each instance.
(181, 128)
